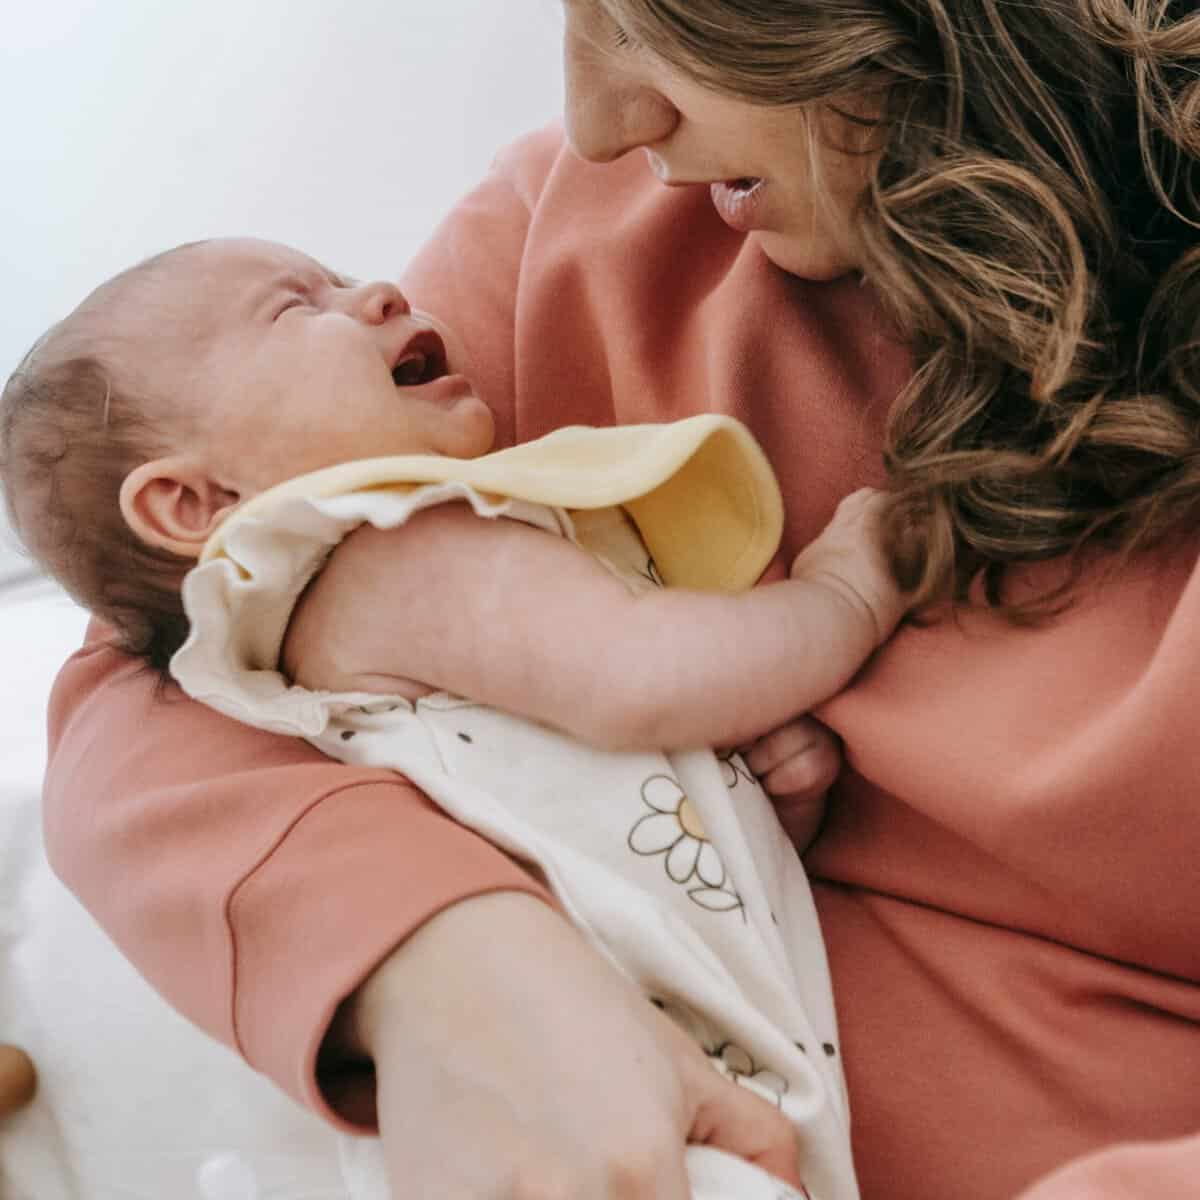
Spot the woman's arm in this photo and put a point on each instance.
(254, 882)
(512, 617)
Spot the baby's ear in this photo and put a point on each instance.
(175, 504)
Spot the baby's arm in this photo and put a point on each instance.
(527, 622)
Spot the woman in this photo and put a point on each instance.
(1006, 875)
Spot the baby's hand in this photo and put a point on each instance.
(796, 765)
(848, 557)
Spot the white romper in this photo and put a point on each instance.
(674, 865)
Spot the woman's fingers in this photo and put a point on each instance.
(730, 1118)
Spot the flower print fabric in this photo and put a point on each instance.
(673, 829)
(673, 864)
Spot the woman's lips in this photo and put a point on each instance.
(739, 202)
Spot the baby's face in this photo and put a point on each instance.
(281, 367)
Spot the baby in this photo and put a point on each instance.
(492, 625)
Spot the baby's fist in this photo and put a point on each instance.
(848, 556)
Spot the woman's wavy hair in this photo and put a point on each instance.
(1032, 225)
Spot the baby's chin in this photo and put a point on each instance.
(474, 431)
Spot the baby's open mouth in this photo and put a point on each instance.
(422, 360)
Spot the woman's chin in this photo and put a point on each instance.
(804, 258)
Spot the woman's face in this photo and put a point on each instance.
(788, 180)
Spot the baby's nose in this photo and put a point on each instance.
(381, 301)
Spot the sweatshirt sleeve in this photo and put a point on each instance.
(252, 881)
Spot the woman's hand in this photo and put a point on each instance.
(514, 1063)
(796, 765)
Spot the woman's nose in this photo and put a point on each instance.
(379, 302)
(607, 112)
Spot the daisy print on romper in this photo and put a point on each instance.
(672, 828)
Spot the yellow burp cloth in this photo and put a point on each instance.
(700, 490)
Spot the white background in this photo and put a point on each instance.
(344, 127)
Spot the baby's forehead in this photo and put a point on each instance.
(201, 271)
(189, 299)
(199, 286)
(251, 261)
(133, 305)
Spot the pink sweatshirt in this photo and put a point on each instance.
(1008, 877)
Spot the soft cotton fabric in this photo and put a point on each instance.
(674, 865)
(1007, 877)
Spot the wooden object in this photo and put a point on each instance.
(18, 1080)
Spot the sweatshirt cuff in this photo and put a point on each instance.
(355, 874)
